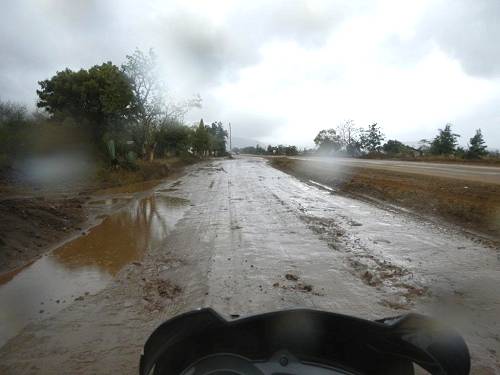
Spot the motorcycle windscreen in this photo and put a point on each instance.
(349, 344)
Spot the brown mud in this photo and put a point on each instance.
(472, 205)
(30, 226)
(246, 238)
(130, 226)
(37, 219)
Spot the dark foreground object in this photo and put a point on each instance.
(302, 342)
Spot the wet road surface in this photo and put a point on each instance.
(252, 239)
(466, 172)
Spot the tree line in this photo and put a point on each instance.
(349, 140)
(270, 150)
(121, 112)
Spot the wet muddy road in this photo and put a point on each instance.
(242, 237)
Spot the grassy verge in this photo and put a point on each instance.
(144, 171)
(473, 205)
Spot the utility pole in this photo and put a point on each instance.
(230, 139)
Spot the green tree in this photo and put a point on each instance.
(328, 141)
(201, 139)
(148, 103)
(445, 142)
(372, 138)
(99, 97)
(424, 146)
(218, 137)
(291, 150)
(13, 131)
(254, 150)
(396, 147)
(173, 138)
(151, 107)
(477, 147)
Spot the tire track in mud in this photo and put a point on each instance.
(374, 271)
(396, 282)
(439, 270)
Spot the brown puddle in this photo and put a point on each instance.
(86, 264)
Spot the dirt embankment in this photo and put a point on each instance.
(474, 206)
(32, 224)
(35, 218)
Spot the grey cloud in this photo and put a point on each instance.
(39, 38)
(252, 125)
(212, 52)
(468, 31)
(35, 41)
(405, 53)
(246, 124)
(190, 43)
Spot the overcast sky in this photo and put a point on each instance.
(280, 70)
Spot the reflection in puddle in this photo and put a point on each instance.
(107, 202)
(86, 264)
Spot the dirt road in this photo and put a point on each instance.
(254, 239)
(458, 171)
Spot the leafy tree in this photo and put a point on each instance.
(12, 113)
(218, 138)
(372, 138)
(99, 97)
(151, 107)
(353, 148)
(173, 138)
(270, 150)
(148, 103)
(460, 152)
(201, 139)
(396, 147)
(328, 141)
(477, 148)
(291, 150)
(254, 150)
(13, 128)
(445, 142)
(425, 146)
(259, 150)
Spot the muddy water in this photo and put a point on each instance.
(86, 264)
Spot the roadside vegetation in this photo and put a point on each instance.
(348, 140)
(270, 150)
(93, 129)
(473, 205)
(120, 116)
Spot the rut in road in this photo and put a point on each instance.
(255, 239)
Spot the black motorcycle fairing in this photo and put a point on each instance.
(359, 346)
